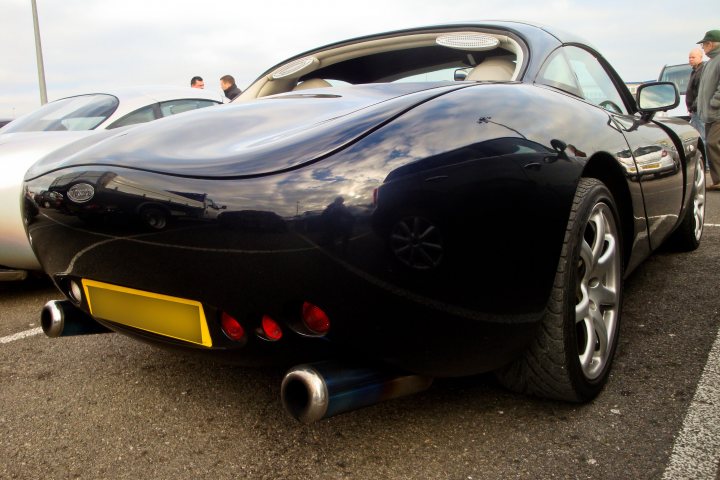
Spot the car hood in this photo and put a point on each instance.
(260, 137)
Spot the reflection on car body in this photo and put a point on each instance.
(94, 196)
(650, 160)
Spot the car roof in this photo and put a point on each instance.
(146, 94)
(541, 39)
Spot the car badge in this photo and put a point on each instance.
(81, 192)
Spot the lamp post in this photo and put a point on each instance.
(38, 53)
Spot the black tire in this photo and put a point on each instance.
(588, 286)
(688, 235)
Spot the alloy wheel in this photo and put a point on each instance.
(598, 285)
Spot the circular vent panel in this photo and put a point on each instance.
(468, 41)
(294, 67)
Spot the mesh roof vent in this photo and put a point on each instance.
(468, 41)
(294, 67)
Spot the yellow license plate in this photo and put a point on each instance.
(172, 317)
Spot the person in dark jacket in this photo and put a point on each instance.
(708, 103)
(227, 83)
(695, 60)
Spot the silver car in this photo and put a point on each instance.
(59, 124)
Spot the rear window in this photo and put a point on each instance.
(677, 74)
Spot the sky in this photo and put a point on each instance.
(91, 45)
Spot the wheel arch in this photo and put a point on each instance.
(605, 168)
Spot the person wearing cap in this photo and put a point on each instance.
(708, 103)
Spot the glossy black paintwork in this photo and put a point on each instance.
(269, 135)
(492, 168)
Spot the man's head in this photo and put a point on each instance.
(197, 82)
(710, 41)
(226, 81)
(695, 57)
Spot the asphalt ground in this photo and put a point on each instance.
(105, 406)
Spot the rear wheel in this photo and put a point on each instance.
(571, 354)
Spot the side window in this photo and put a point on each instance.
(178, 106)
(592, 81)
(557, 73)
(141, 115)
(597, 86)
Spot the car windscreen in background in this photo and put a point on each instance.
(83, 112)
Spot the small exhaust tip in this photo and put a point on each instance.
(52, 319)
(60, 318)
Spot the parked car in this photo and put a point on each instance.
(60, 123)
(386, 223)
(679, 75)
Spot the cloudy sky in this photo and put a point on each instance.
(89, 45)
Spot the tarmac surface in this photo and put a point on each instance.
(106, 406)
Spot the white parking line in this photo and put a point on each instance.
(21, 335)
(696, 452)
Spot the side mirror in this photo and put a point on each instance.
(657, 97)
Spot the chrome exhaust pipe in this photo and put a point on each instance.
(311, 392)
(60, 318)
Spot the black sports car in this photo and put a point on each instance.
(439, 201)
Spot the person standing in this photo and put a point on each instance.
(227, 83)
(708, 103)
(197, 82)
(695, 60)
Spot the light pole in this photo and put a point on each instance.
(38, 53)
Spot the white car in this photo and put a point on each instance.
(63, 122)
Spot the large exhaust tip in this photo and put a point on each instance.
(312, 392)
(304, 394)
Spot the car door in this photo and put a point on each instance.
(657, 163)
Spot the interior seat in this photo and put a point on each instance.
(493, 69)
(312, 83)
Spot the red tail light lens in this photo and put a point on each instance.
(231, 327)
(315, 319)
(271, 329)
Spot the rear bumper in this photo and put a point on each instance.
(251, 259)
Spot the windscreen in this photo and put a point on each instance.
(83, 112)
